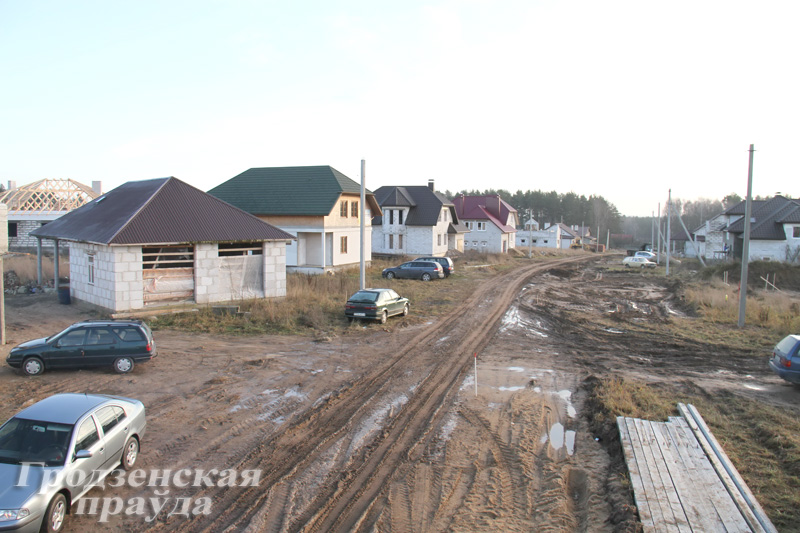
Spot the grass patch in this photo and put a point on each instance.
(762, 440)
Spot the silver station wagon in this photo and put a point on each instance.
(54, 451)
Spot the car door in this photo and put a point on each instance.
(101, 348)
(115, 427)
(67, 350)
(393, 303)
(87, 470)
(406, 270)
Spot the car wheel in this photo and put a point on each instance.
(55, 515)
(426, 277)
(405, 310)
(130, 453)
(384, 316)
(390, 275)
(33, 366)
(123, 365)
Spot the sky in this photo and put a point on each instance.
(622, 99)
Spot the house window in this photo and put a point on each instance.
(481, 226)
(354, 209)
(343, 209)
(400, 242)
(168, 257)
(545, 241)
(343, 245)
(228, 249)
(391, 241)
(391, 216)
(399, 216)
(439, 239)
(90, 269)
(12, 229)
(795, 231)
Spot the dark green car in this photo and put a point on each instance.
(118, 344)
(375, 304)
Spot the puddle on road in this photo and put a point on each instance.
(515, 388)
(614, 330)
(753, 387)
(559, 438)
(516, 369)
(566, 395)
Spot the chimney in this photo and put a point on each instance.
(12, 185)
(430, 185)
(498, 205)
(97, 186)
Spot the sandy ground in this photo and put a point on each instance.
(381, 429)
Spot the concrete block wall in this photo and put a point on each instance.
(24, 240)
(206, 275)
(117, 276)
(274, 269)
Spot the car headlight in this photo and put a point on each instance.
(13, 514)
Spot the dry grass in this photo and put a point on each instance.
(762, 440)
(24, 266)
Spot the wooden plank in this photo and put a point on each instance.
(674, 475)
(634, 473)
(752, 511)
(701, 513)
(718, 497)
(658, 471)
(649, 482)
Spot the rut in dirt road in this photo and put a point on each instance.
(345, 500)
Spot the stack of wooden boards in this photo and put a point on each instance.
(682, 479)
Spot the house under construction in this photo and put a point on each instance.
(34, 205)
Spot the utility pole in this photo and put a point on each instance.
(652, 229)
(362, 265)
(658, 248)
(669, 215)
(748, 206)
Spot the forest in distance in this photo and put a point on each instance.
(593, 211)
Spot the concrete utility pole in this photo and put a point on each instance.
(748, 206)
(363, 268)
(658, 248)
(669, 214)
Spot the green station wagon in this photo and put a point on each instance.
(118, 344)
(375, 304)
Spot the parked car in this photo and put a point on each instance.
(376, 304)
(424, 270)
(54, 451)
(785, 359)
(119, 344)
(649, 255)
(638, 261)
(446, 262)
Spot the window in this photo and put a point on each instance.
(90, 268)
(400, 217)
(73, 338)
(481, 226)
(343, 209)
(168, 257)
(391, 241)
(399, 242)
(227, 249)
(12, 229)
(795, 231)
(87, 435)
(545, 241)
(354, 209)
(99, 336)
(391, 218)
(343, 245)
(439, 239)
(469, 225)
(109, 417)
(129, 334)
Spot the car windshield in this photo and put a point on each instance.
(364, 296)
(32, 441)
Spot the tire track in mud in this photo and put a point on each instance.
(347, 500)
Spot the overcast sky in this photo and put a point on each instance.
(620, 99)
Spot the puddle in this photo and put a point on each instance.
(560, 438)
(469, 381)
(613, 330)
(516, 388)
(566, 395)
(753, 387)
(516, 369)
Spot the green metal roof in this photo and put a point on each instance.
(286, 190)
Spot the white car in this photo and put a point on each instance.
(643, 253)
(638, 261)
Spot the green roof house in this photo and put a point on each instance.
(319, 205)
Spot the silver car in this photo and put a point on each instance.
(54, 451)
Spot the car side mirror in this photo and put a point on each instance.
(83, 454)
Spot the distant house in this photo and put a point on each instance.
(568, 236)
(774, 229)
(415, 220)
(161, 241)
(491, 222)
(36, 204)
(549, 237)
(318, 205)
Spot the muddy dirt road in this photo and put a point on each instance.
(381, 429)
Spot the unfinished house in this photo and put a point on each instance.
(32, 206)
(161, 242)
